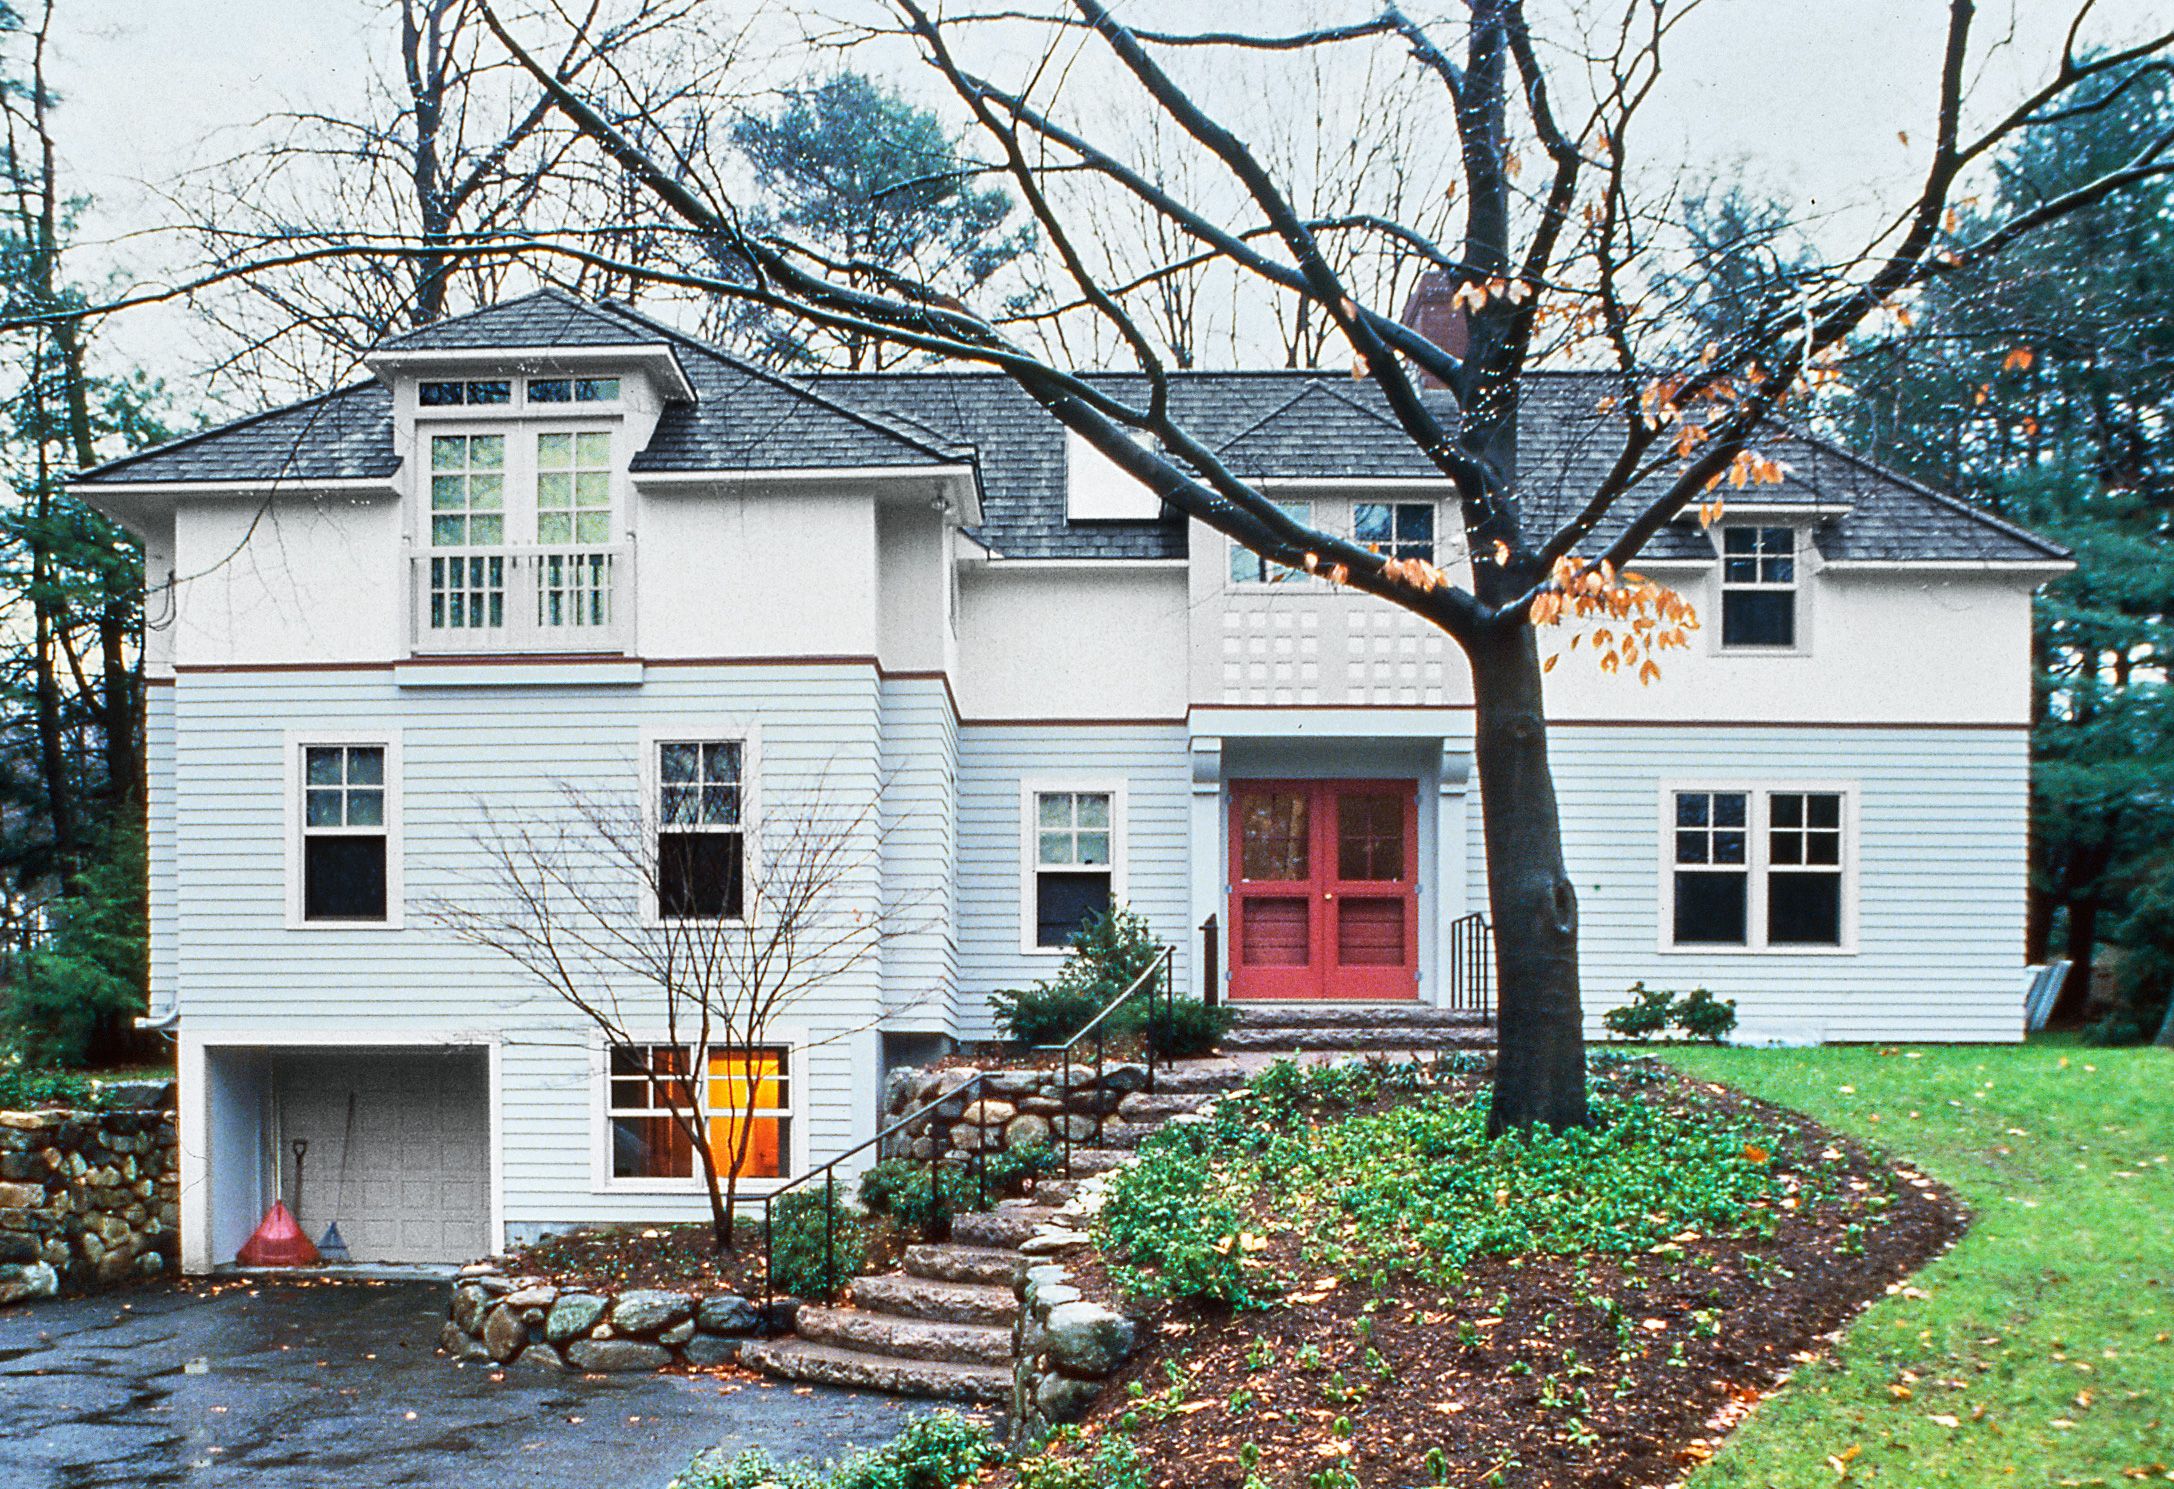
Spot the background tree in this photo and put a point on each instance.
(2045, 390)
(71, 797)
(609, 908)
(1557, 268)
(879, 186)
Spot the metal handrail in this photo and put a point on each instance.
(1471, 968)
(1165, 962)
(829, 1175)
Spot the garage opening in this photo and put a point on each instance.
(399, 1148)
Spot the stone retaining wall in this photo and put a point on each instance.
(1015, 1107)
(528, 1321)
(1072, 1335)
(88, 1200)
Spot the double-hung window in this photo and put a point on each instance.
(701, 860)
(1758, 869)
(1759, 587)
(345, 846)
(1395, 529)
(1075, 846)
(740, 1099)
(1248, 567)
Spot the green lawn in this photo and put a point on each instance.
(2041, 1353)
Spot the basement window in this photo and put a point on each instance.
(743, 1098)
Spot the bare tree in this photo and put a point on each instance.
(673, 917)
(1557, 268)
(448, 147)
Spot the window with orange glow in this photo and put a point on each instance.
(742, 1096)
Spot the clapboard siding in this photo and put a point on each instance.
(1941, 871)
(158, 746)
(920, 844)
(469, 756)
(993, 762)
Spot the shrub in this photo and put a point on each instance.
(1644, 1016)
(800, 1263)
(1703, 1016)
(900, 1187)
(1114, 1464)
(1699, 1015)
(936, 1451)
(1185, 1028)
(1108, 953)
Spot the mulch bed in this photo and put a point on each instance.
(675, 1258)
(1479, 1386)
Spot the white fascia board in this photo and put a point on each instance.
(997, 562)
(92, 491)
(653, 356)
(1436, 484)
(1822, 507)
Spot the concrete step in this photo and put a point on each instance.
(942, 1302)
(828, 1365)
(905, 1338)
(989, 1266)
(1355, 1016)
(1006, 1225)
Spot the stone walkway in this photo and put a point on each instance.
(300, 1386)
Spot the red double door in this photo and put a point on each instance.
(1323, 889)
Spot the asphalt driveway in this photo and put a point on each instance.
(300, 1385)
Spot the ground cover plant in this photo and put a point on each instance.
(2041, 1349)
(1347, 1284)
(935, 1451)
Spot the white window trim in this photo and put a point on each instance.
(1029, 855)
(1801, 537)
(795, 1041)
(1756, 866)
(388, 740)
(706, 731)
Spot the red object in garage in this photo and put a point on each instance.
(278, 1242)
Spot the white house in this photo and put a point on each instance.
(555, 542)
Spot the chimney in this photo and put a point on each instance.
(1430, 313)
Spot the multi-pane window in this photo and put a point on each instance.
(573, 390)
(1804, 868)
(1713, 867)
(701, 839)
(467, 490)
(343, 832)
(573, 488)
(1759, 586)
(1074, 842)
(1248, 567)
(461, 394)
(741, 1099)
(1759, 869)
(1395, 529)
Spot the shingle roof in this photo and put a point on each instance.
(549, 317)
(1272, 425)
(342, 435)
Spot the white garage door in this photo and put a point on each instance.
(399, 1149)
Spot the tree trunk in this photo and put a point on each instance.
(2074, 1004)
(1540, 1068)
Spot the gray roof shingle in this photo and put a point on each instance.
(1271, 425)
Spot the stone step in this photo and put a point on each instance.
(989, 1266)
(943, 1302)
(1355, 1016)
(828, 1365)
(1006, 1225)
(1199, 1078)
(1055, 1191)
(1124, 1135)
(1160, 1106)
(905, 1338)
(1085, 1162)
(1357, 1038)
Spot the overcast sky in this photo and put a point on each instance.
(1809, 94)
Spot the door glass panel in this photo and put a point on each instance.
(1370, 933)
(1369, 838)
(1275, 932)
(1272, 837)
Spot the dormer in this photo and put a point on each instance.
(517, 427)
